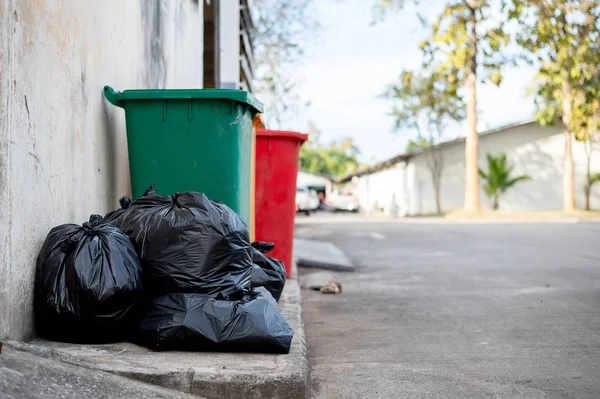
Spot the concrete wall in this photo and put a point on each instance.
(383, 191)
(63, 150)
(532, 149)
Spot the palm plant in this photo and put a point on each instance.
(498, 178)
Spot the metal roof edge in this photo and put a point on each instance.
(323, 175)
(406, 155)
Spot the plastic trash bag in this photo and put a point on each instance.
(115, 217)
(88, 283)
(266, 271)
(263, 247)
(200, 322)
(188, 243)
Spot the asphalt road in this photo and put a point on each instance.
(441, 310)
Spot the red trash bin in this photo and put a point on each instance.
(277, 161)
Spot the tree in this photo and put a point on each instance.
(464, 46)
(282, 30)
(498, 177)
(590, 178)
(334, 160)
(425, 103)
(417, 144)
(564, 42)
(337, 159)
(382, 8)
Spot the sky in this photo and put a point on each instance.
(351, 62)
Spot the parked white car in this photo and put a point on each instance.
(307, 200)
(344, 201)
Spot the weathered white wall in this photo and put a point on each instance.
(532, 149)
(383, 191)
(63, 150)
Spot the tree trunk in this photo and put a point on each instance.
(568, 176)
(472, 141)
(436, 165)
(496, 203)
(587, 188)
(438, 202)
(587, 191)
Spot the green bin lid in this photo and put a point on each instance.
(116, 97)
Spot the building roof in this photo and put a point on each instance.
(313, 179)
(409, 154)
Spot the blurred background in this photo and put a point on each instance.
(421, 108)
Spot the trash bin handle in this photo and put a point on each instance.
(111, 96)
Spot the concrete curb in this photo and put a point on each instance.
(321, 254)
(290, 380)
(208, 375)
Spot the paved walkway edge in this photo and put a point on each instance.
(321, 254)
(290, 379)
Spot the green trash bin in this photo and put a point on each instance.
(191, 140)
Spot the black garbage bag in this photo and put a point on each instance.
(266, 271)
(188, 243)
(115, 217)
(263, 246)
(88, 283)
(201, 322)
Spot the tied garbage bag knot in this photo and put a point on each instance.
(92, 223)
(150, 191)
(125, 201)
(114, 217)
(263, 246)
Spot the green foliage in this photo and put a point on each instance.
(336, 159)
(498, 177)
(562, 37)
(418, 143)
(382, 8)
(425, 102)
(456, 51)
(595, 178)
(332, 160)
(452, 47)
(282, 30)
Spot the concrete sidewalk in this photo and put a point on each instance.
(24, 375)
(209, 375)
